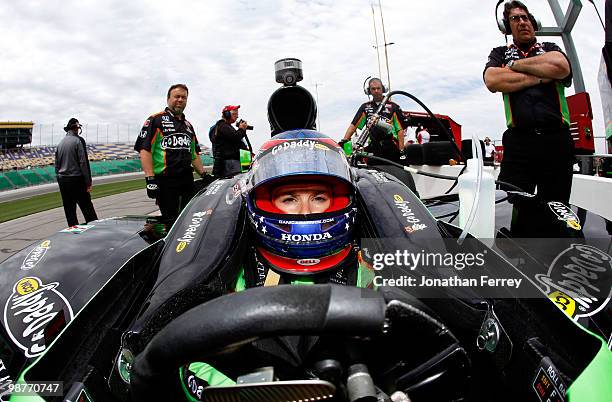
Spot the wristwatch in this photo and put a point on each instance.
(510, 64)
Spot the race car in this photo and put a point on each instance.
(119, 310)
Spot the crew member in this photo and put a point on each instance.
(388, 145)
(227, 142)
(489, 150)
(74, 174)
(168, 149)
(423, 136)
(532, 77)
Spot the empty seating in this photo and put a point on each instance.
(32, 166)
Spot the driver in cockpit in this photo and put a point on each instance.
(300, 201)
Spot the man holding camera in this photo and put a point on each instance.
(228, 141)
(168, 149)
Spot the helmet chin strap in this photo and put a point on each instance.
(272, 278)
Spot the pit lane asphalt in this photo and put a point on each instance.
(19, 233)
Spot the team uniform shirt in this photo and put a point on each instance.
(539, 106)
(391, 113)
(172, 142)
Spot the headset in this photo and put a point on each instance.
(226, 114)
(366, 88)
(504, 24)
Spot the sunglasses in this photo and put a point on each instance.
(517, 18)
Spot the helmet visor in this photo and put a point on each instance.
(299, 157)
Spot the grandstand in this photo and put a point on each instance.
(15, 133)
(32, 166)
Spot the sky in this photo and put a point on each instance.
(110, 63)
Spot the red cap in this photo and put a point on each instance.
(230, 108)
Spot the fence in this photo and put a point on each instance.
(95, 133)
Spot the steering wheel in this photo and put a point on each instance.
(219, 325)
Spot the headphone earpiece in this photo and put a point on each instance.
(226, 114)
(504, 24)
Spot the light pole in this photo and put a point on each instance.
(376, 40)
(382, 21)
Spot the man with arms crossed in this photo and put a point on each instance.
(532, 77)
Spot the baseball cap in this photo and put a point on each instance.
(229, 108)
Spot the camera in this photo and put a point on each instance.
(247, 127)
(288, 71)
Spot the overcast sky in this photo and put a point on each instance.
(111, 62)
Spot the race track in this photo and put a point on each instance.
(21, 232)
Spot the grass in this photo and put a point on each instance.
(26, 206)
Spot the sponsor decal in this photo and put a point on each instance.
(309, 144)
(320, 221)
(379, 176)
(322, 147)
(564, 302)
(234, 193)
(194, 388)
(35, 255)
(191, 230)
(5, 382)
(308, 261)
(165, 118)
(406, 211)
(305, 237)
(579, 279)
(29, 311)
(176, 141)
(193, 384)
(415, 227)
(143, 134)
(564, 213)
(214, 187)
(146, 123)
(76, 229)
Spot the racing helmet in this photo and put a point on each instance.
(296, 243)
